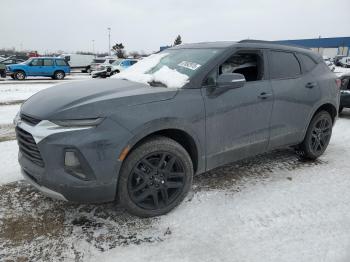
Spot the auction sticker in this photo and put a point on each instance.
(189, 65)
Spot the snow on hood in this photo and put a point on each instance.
(137, 73)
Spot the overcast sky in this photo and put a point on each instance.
(71, 25)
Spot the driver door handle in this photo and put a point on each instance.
(310, 85)
(264, 95)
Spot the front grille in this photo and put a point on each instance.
(30, 120)
(28, 147)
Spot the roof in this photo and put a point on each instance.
(250, 43)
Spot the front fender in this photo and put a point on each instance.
(169, 123)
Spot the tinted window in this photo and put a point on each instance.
(48, 62)
(61, 62)
(307, 62)
(111, 61)
(133, 62)
(37, 62)
(283, 65)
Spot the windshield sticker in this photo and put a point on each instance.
(189, 65)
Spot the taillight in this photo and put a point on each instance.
(338, 82)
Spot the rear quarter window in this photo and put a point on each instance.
(307, 62)
(283, 65)
(61, 62)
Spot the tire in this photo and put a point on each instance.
(341, 109)
(19, 75)
(317, 136)
(155, 177)
(59, 75)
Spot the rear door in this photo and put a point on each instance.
(48, 67)
(295, 93)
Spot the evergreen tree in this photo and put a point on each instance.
(178, 40)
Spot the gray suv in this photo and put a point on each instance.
(139, 139)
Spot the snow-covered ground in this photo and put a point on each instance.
(269, 208)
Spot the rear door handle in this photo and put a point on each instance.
(264, 95)
(310, 85)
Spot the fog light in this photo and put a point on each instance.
(73, 166)
(71, 160)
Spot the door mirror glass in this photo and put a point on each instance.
(231, 80)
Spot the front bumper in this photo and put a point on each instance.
(99, 147)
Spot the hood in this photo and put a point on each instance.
(91, 98)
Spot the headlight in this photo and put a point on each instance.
(78, 122)
(17, 118)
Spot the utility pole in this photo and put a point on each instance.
(93, 47)
(109, 40)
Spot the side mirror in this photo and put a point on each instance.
(231, 80)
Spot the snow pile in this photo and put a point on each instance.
(137, 73)
(10, 170)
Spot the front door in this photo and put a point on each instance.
(36, 67)
(238, 120)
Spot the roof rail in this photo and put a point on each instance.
(254, 41)
(272, 43)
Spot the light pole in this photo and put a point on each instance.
(93, 47)
(109, 41)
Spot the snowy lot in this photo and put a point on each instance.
(273, 207)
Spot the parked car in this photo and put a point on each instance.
(345, 62)
(141, 137)
(54, 67)
(100, 63)
(11, 61)
(2, 70)
(115, 68)
(344, 92)
(79, 61)
(337, 59)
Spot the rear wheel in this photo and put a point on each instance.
(155, 177)
(19, 75)
(59, 75)
(317, 136)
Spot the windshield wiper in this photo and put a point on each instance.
(157, 84)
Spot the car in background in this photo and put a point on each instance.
(100, 63)
(329, 63)
(79, 61)
(345, 62)
(337, 59)
(11, 61)
(115, 68)
(54, 67)
(344, 92)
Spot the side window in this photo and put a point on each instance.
(132, 62)
(37, 62)
(61, 62)
(48, 62)
(308, 63)
(283, 65)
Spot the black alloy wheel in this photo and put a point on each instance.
(157, 180)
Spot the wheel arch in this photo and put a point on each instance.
(186, 137)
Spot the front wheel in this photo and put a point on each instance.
(19, 75)
(317, 136)
(59, 75)
(155, 177)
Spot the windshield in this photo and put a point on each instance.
(170, 68)
(28, 61)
